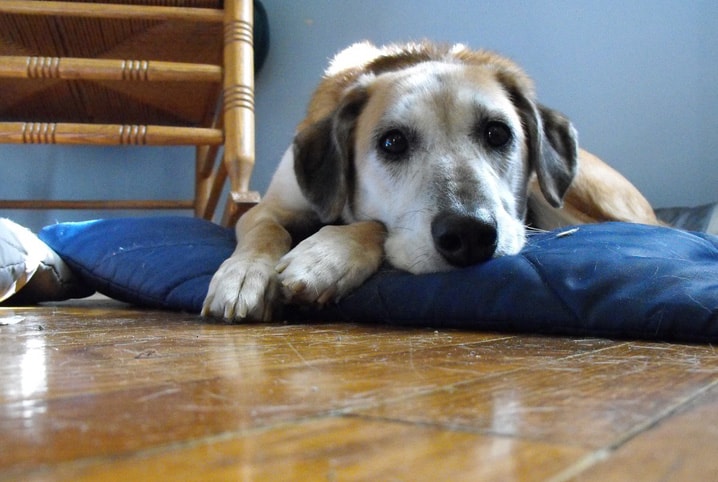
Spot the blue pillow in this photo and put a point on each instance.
(610, 280)
(162, 262)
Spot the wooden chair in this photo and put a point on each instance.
(139, 72)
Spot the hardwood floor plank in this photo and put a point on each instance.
(94, 352)
(588, 400)
(335, 449)
(102, 382)
(681, 448)
(98, 389)
(154, 403)
(94, 355)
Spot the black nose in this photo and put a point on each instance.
(463, 240)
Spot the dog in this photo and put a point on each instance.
(426, 156)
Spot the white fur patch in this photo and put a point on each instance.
(442, 105)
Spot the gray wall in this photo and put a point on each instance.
(637, 78)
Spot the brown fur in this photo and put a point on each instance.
(362, 59)
(597, 194)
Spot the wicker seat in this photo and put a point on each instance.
(141, 72)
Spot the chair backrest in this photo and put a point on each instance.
(142, 72)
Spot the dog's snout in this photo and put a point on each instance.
(463, 240)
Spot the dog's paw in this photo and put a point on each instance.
(329, 264)
(242, 289)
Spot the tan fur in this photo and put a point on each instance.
(366, 59)
(598, 194)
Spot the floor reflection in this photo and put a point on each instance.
(33, 368)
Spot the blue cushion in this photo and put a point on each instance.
(612, 280)
(163, 262)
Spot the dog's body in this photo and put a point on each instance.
(426, 156)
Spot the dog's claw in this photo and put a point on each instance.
(229, 312)
(325, 266)
(295, 286)
(281, 266)
(242, 290)
(328, 295)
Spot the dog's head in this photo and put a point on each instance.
(439, 145)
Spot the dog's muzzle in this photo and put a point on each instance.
(464, 240)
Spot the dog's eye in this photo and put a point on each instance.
(497, 134)
(394, 143)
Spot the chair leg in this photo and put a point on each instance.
(203, 158)
(205, 175)
(238, 93)
(237, 206)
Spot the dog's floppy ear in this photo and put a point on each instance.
(559, 156)
(552, 142)
(323, 157)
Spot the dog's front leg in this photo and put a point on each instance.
(332, 262)
(245, 287)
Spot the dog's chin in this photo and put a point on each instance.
(431, 262)
(425, 259)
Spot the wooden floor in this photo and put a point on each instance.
(95, 390)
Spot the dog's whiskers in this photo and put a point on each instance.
(419, 258)
(533, 230)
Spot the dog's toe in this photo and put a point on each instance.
(310, 289)
(242, 290)
(326, 266)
